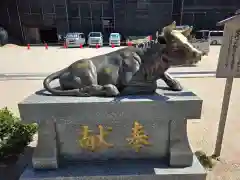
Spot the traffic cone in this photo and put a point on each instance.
(150, 37)
(81, 45)
(129, 43)
(65, 45)
(112, 45)
(46, 46)
(28, 46)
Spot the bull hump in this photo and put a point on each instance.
(82, 64)
(125, 54)
(107, 70)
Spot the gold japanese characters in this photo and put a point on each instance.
(138, 137)
(97, 141)
(94, 142)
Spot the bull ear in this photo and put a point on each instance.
(173, 25)
(187, 31)
(169, 28)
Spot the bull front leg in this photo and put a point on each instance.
(172, 83)
(108, 90)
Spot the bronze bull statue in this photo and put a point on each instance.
(128, 71)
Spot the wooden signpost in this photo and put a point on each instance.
(229, 68)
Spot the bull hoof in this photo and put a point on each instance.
(111, 90)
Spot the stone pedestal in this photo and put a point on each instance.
(162, 116)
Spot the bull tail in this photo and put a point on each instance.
(57, 92)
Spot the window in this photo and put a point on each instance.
(188, 2)
(48, 9)
(115, 35)
(95, 34)
(85, 10)
(73, 11)
(142, 4)
(72, 35)
(24, 7)
(216, 33)
(81, 36)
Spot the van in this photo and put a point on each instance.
(115, 39)
(95, 38)
(74, 39)
(215, 37)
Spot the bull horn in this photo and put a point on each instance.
(187, 31)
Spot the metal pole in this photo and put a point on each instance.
(182, 8)
(114, 15)
(223, 117)
(20, 21)
(66, 8)
(79, 15)
(172, 9)
(193, 18)
(9, 19)
(102, 19)
(90, 7)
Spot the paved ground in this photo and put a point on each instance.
(38, 62)
(202, 134)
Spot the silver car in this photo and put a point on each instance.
(75, 39)
(95, 38)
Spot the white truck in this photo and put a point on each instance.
(215, 37)
(115, 39)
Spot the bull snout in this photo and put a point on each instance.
(197, 56)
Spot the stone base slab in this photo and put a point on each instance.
(163, 117)
(119, 170)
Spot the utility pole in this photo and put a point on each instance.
(181, 15)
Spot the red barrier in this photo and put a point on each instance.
(112, 45)
(28, 46)
(46, 46)
(65, 45)
(150, 37)
(129, 43)
(97, 46)
(81, 46)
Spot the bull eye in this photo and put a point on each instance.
(164, 59)
(195, 54)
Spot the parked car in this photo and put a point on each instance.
(95, 38)
(216, 37)
(115, 39)
(75, 39)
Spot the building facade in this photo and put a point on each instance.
(203, 14)
(35, 21)
(40, 20)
